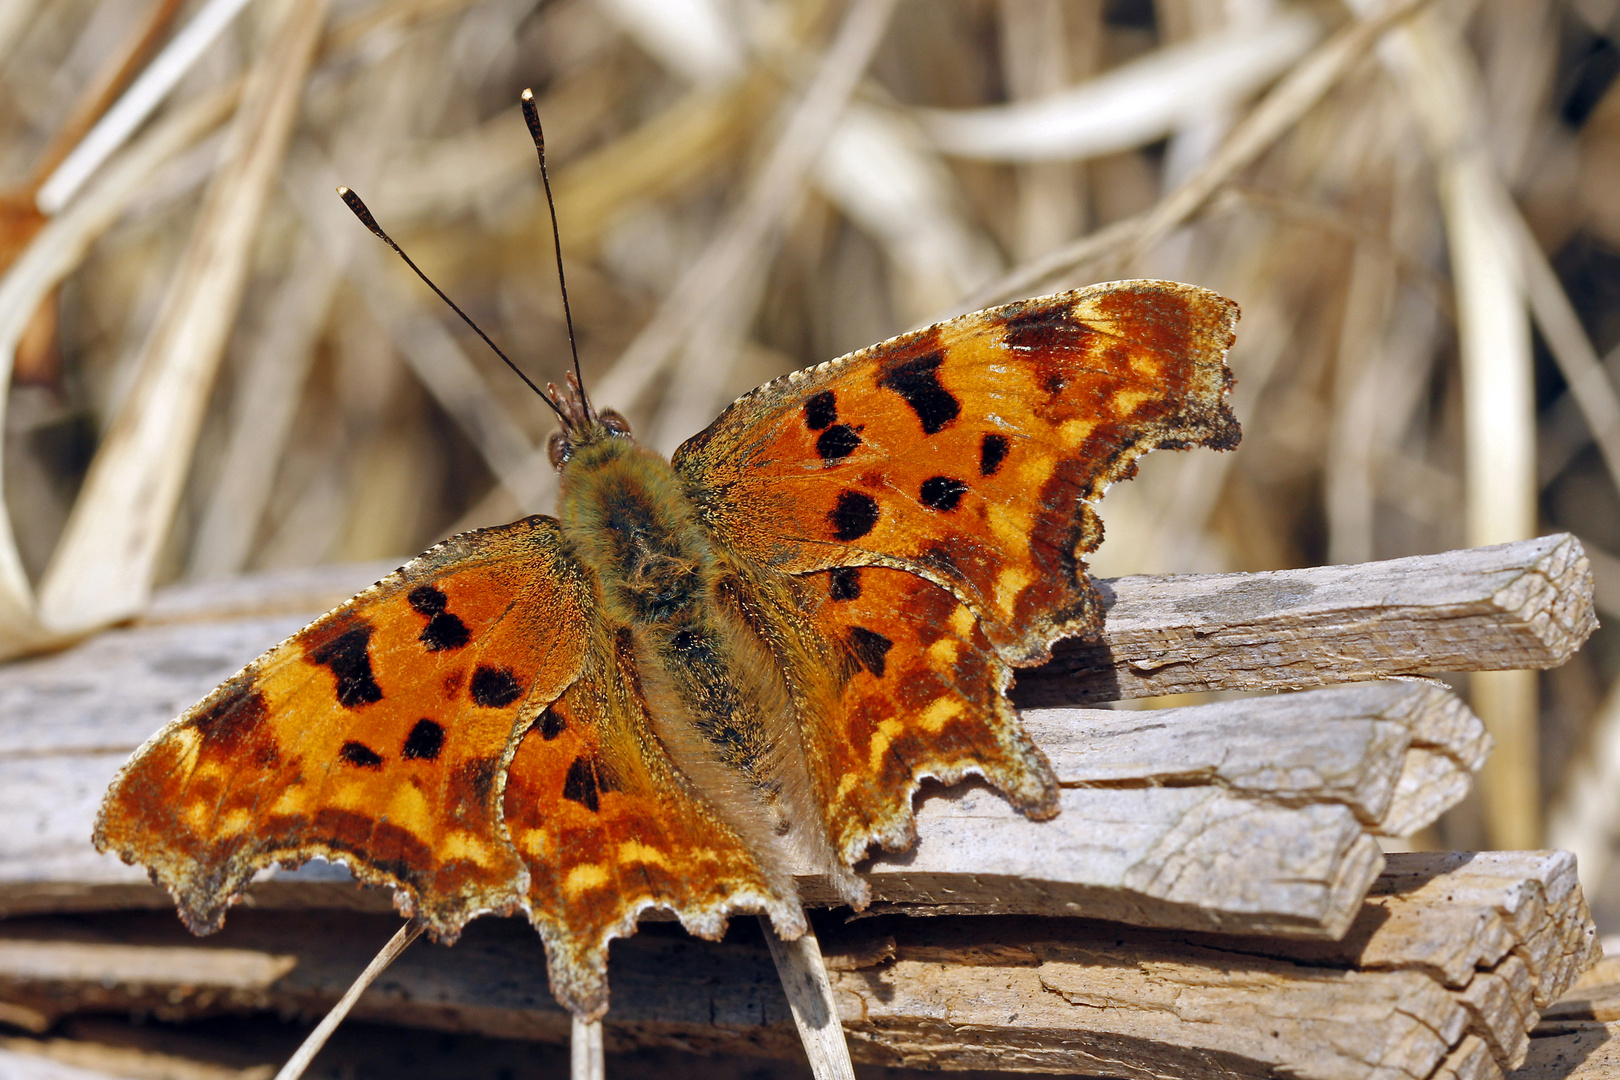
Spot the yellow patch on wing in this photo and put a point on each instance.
(846, 784)
(410, 808)
(1127, 402)
(459, 845)
(944, 652)
(634, 851)
(199, 816)
(1074, 432)
(188, 741)
(940, 712)
(1010, 582)
(584, 878)
(234, 822)
(1146, 364)
(1035, 471)
(882, 739)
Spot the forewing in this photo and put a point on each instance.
(966, 452)
(608, 827)
(378, 735)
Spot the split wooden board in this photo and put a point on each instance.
(1404, 994)
(1176, 821)
(1239, 836)
(1246, 816)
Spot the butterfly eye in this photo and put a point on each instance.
(614, 422)
(557, 449)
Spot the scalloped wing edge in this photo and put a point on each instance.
(203, 901)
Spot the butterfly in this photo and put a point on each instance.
(705, 675)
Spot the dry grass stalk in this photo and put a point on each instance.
(103, 569)
(300, 1061)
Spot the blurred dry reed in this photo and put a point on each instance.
(214, 370)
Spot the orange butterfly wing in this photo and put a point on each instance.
(932, 492)
(380, 735)
(922, 693)
(608, 826)
(967, 452)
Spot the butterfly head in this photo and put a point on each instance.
(582, 425)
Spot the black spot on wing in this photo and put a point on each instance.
(443, 630)
(424, 742)
(360, 755)
(992, 452)
(493, 687)
(348, 656)
(854, 516)
(1044, 328)
(844, 583)
(917, 381)
(869, 647)
(427, 600)
(580, 784)
(942, 493)
(821, 411)
(551, 724)
(837, 442)
(228, 722)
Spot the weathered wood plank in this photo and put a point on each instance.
(1358, 749)
(1470, 1060)
(1453, 913)
(1048, 995)
(1521, 605)
(1526, 604)
(15, 1065)
(1247, 816)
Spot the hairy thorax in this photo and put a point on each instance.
(685, 623)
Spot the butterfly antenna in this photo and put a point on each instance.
(531, 116)
(355, 204)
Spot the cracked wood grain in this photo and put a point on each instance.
(1521, 605)
(1252, 816)
(999, 992)
(1213, 824)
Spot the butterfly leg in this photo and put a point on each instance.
(809, 993)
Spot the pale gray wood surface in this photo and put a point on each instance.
(1244, 817)
(1521, 605)
(1251, 816)
(997, 992)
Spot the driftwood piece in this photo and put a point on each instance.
(999, 992)
(1251, 816)
(1521, 605)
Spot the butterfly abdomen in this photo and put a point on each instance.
(713, 691)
